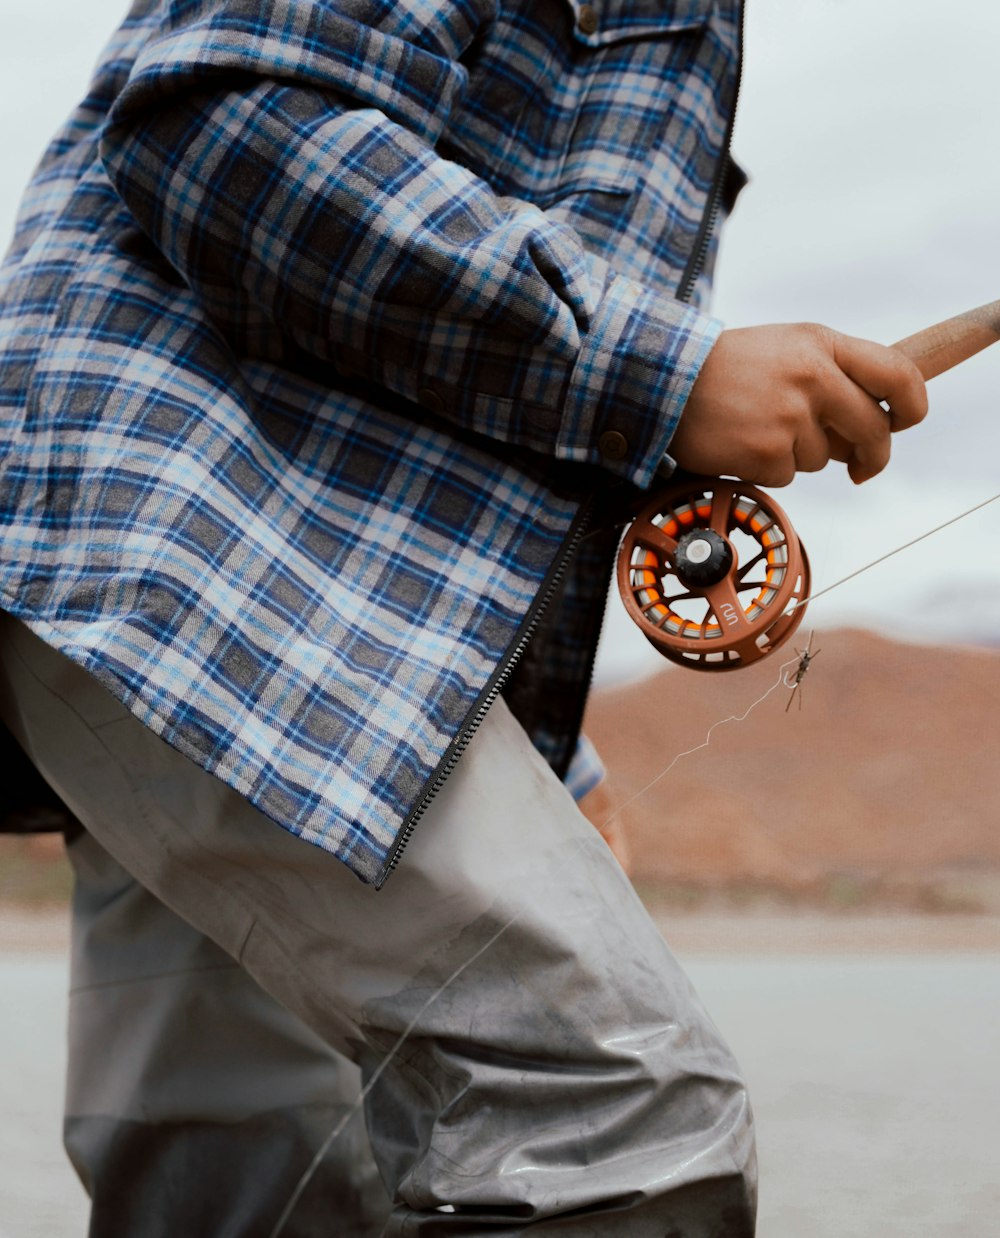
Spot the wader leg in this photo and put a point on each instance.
(194, 1101)
(536, 1058)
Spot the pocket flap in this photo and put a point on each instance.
(612, 21)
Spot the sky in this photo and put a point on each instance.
(868, 131)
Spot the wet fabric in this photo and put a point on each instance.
(320, 324)
(533, 1057)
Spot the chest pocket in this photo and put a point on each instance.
(566, 96)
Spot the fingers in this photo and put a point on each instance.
(886, 375)
(778, 399)
(857, 429)
(857, 424)
(868, 461)
(812, 449)
(840, 449)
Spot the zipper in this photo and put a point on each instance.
(693, 269)
(710, 216)
(579, 530)
(493, 689)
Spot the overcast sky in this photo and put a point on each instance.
(868, 129)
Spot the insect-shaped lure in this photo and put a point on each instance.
(805, 661)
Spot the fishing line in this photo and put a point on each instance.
(780, 680)
(889, 554)
(782, 670)
(342, 1124)
(782, 673)
(328, 1143)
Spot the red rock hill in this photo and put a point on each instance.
(889, 769)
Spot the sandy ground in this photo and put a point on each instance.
(728, 933)
(869, 1044)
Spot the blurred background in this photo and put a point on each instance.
(831, 875)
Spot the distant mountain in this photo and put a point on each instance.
(889, 770)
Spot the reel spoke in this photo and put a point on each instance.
(758, 558)
(722, 506)
(652, 535)
(725, 602)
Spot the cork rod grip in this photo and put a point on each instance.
(938, 348)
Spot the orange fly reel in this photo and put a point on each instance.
(713, 573)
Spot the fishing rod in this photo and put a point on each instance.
(712, 570)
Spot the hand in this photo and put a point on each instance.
(598, 806)
(776, 400)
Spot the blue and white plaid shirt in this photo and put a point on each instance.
(321, 322)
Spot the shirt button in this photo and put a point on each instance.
(429, 399)
(588, 19)
(612, 445)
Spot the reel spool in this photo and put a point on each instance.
(713, 573)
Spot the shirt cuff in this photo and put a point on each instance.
(586, 769)
(635, 370)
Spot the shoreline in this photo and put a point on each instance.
(754, 931)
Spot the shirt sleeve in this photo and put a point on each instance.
(586, 769)
(286, 168)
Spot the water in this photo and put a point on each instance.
(876, 1083)
(39, 1195)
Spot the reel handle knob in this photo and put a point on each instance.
(702, 558)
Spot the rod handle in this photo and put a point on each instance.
(938, 348)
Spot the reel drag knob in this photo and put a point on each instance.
(713, 573)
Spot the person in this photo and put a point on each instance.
(336, 339)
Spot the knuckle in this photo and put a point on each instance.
(812, 453)
(815, 354)
(910, 400)
(819, 334)
(774, 470)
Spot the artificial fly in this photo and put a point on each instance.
(805, 661)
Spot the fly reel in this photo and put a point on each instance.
(713, 573)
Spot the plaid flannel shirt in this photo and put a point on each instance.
(322, 322)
